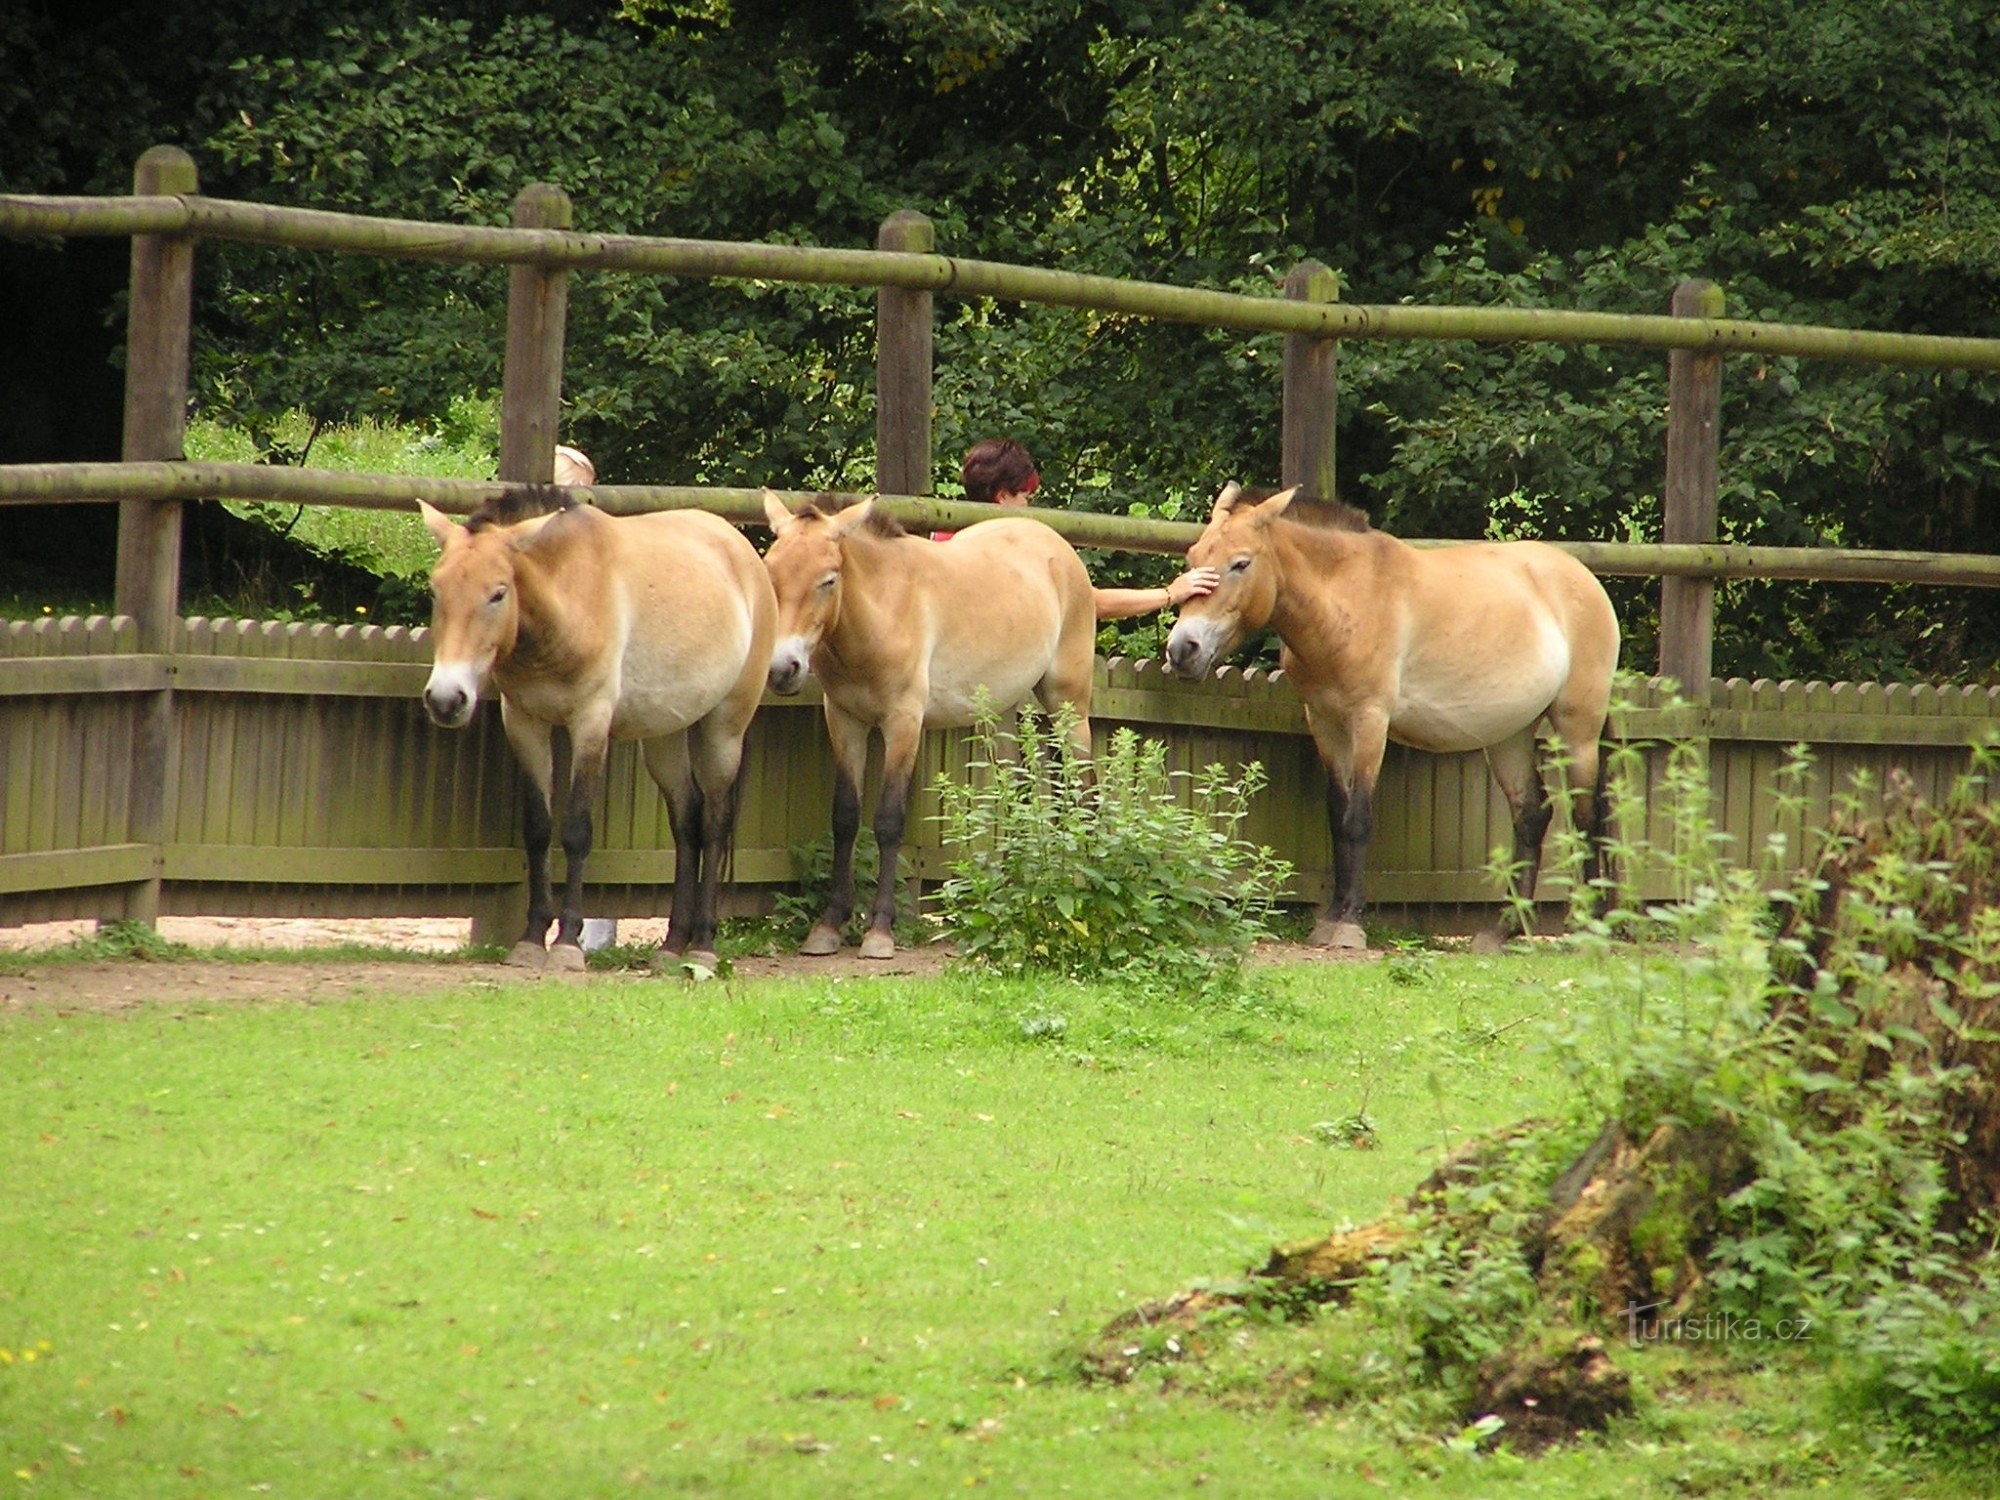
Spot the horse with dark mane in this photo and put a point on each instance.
(1466, 647)
(903, 631)
(656, 628)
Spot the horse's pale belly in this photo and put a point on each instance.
(1452, 710)
(956, 698)
(666, 686)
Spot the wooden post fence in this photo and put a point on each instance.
(1694, 428)
(537, 309)
(903, 367)
(148, 580)
(1311, 389)
(530, 421)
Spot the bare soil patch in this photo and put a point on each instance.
(112, 985)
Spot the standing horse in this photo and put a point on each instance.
(901, 632)
(1458, 648)
(656, 628)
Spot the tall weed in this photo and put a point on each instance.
(1117, 867)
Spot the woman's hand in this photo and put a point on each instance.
(1192, 585)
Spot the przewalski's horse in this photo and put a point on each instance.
(901, 632)
(656, 628)
(1454, 648)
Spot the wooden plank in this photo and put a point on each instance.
(331, 866)
(105, 864)
(303, 677)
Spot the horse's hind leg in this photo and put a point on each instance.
(715, 746)
(1514, 766)
(533, 749)
(667, 763)
(590, 745)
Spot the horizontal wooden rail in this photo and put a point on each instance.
(406, 239)
(24, 484)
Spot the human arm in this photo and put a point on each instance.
(1122, 604)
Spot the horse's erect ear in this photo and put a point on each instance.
(855, 515)
(437, 522)
(1274, 506)
(775, 512)
(1225, 502)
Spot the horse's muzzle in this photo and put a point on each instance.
(790, 667)
(1188, 656)
(450, 696)
(449, 707)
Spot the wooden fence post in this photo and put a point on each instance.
(1694, 426)
(1311, 389)
(148, 580)
(530, 418)
(903, 367)
(537, 308)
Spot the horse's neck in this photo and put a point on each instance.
(874, 594)
(1318, 564)
(548, 602)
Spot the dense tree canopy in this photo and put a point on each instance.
(1836, 163)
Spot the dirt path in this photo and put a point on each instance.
(127, 984)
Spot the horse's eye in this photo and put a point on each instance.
(498, 596)
(1238, 565)
(827, 582)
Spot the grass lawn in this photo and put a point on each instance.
(773, 1239)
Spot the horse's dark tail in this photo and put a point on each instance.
(725, 856)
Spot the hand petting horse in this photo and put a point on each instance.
(901, 632)
(656, 628)
(1454, 648)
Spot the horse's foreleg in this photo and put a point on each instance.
(1514, 767)
(900, 739)
(1351, 751)
(850, 761)
(589, 746)
(534, 751)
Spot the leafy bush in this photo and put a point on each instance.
(1120, 867)
(1928, 1358)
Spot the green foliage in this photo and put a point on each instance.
(392, 544)
(1117, 867)
(1927, 1357)
(1836, 163)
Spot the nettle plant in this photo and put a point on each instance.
(1118, 867)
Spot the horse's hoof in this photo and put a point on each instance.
(527, 955)
(821, 941)
(878, 945)
(1488, 943)
(1346, 936)
(566, 958)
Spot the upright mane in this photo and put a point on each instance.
(1326, 515)
(879, 522)
(518, 502)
